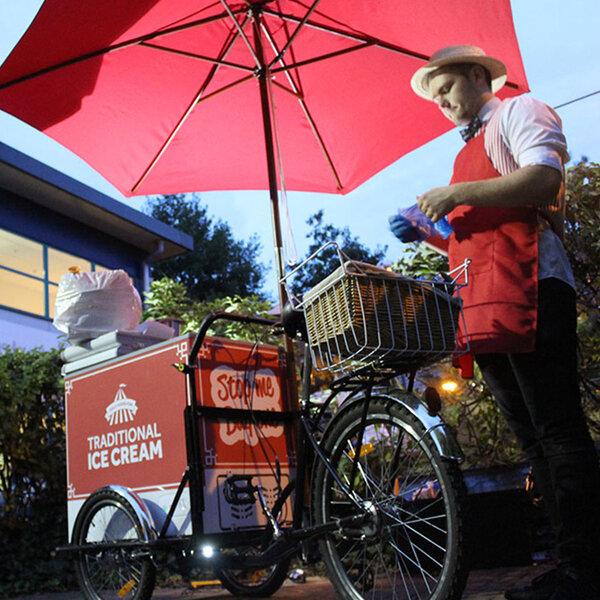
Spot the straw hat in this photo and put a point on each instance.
(454, 55)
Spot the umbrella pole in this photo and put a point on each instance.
(270, 152)
(265, 102)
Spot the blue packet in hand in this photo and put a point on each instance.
(443, 227)
(423, 224)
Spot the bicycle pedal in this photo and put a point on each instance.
(238, 489)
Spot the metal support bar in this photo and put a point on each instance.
(168, 520)
(241, 415)
(195, 468)
(363, 424)
(215, 316)
(277, 533)
(324, 459)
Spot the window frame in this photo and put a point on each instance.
(47, 283)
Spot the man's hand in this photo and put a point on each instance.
(438, 202)
(534, 185)
(404, 229)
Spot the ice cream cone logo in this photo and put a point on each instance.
(121, 409)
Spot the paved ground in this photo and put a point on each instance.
(482, 585)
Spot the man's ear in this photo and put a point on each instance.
(479, 76)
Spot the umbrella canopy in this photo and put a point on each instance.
(168, 96)
(162, 96)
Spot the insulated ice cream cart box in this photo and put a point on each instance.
(125, 426)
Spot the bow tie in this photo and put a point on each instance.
(472, 128)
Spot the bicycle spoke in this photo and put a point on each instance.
(403, 568)
(416, 562)
(416, 519)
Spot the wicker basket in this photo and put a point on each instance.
(363, 314)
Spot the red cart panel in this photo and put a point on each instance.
(125, 426)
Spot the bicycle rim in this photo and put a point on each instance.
(117, 573)
(411, 545)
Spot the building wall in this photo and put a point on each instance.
(20, 330)
(29, 220)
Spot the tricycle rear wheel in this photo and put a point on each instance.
(255, 583)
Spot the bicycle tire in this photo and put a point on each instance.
(254, 583)
(115, 573)
(413, 545)
(258, 583)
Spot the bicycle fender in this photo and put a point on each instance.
(437, 429)
(140, 509)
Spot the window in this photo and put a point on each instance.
(30, 273)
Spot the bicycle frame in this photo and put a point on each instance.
(357, 386)
(284, 542)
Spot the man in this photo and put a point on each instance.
(505, 203)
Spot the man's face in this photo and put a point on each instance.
(459, 96)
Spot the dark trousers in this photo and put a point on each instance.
(538, 394)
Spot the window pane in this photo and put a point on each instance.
(24, 293)
(59, 263)
(21, 254)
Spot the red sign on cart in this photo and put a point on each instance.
(238, 376)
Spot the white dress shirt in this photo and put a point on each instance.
(523, 131)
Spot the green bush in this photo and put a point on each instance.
(33, 517)
(168, 300)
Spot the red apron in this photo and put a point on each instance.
(500, 302)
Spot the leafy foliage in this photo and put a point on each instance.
(583, 247)
(219, 265)
(167, 299)
(32, 472)
(328, 260)
(420, 261)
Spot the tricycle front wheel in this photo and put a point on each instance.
(115, 572)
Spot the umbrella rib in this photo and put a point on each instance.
(289, 51)
(307, 113)
(347, 34)
(297, 94)
(197, 98)
(309, 61)
(241, 32)
(296, 32)
(109, 49)
(224, 89)
(201, 57)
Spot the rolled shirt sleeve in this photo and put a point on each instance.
(532, 132)
(528, 132)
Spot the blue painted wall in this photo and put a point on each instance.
(38, 223)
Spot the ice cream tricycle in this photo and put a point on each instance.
(195, 452)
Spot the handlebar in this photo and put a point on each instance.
(227, 316)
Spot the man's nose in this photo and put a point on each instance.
(441, 101)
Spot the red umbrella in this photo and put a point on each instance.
(166, 96)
